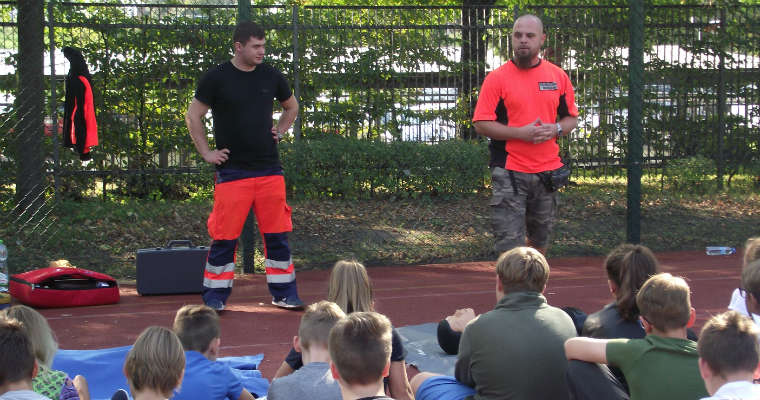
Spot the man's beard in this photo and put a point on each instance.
(524, 60)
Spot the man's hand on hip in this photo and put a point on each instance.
(217, 156)
(276, 135)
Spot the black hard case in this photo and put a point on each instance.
(176, 268)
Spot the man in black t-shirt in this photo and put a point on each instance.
(240, 94)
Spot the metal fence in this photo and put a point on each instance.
(396, 73)
(382, 73)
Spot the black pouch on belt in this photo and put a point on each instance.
(556, 178)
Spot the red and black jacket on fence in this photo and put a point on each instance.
(80, 131)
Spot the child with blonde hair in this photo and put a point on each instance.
(197, 327)
(314, 380)
(155, 364)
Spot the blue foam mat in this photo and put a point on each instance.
(103, 370)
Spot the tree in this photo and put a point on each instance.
(30, 108)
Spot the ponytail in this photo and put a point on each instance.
(636, 267)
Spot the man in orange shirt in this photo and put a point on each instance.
(523, 107)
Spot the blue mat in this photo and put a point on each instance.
(103, 370)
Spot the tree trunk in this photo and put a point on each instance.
(30, 107)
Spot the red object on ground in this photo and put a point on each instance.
(407, 295)
(63, 287)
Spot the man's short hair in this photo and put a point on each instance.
(155, 362)
(728, 343)
(751, 279)
(16, 354)
(316, 323)
(196, 326)
(360, 347)
(533, 17)
(522, 269)
(245, 30)
(664, 302)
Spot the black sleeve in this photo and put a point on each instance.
(562, 109)
(206, 91)
(294, 359)
(283, 89)
(448, 339)
(398, 353)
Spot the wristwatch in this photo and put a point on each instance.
(559, 130)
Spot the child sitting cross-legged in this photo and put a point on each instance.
(313, 380)
(729, 356)
(155, 364)
(17, 363)
(662, 365)
(360, 355)
(197, 327)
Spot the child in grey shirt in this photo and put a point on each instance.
(314, 380)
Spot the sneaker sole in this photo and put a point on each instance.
(287, 306)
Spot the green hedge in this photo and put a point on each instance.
(352, 168)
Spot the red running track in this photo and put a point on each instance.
(407, 295)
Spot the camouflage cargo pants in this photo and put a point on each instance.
(521, 208)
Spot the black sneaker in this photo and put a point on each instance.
(216, 305)
(289, 303)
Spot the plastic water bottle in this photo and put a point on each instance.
(719, 250)
(5, 297)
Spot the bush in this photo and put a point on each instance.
(353, 168)
(690, 175)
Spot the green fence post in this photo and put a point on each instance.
(247, 238)
(721, 100)
(635, 104)
(244, 10)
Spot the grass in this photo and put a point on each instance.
(103, 235)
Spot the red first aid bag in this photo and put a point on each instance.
(63, 287)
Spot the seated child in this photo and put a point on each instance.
(313, 380)
(360, 351)
(17, 363)
(155, 364)
(351, 289)
(628, 267)
(662, 365)
(750, 290)
(48, 382)
(514, 351)
(728, 357)
(738, 298)
(197, 327)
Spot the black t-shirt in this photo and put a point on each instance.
(242, 103)
(398, 353)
